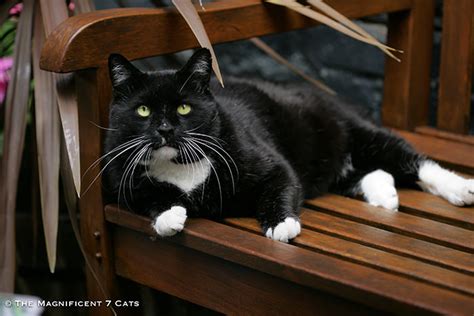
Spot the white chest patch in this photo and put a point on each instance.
(185, 176)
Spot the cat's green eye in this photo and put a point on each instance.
(184, 109)
(143, 111)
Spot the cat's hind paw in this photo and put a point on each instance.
(170, 222)
(284, 231)
(447, 184)
(459, 192)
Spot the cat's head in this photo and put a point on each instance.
(162, 108)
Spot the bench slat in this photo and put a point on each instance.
(421, 228)
(436, 208)
(430, 131)
(339, 277)
(388, 241)
(455, 155)
(372, 257)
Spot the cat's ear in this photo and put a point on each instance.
(197, 71)
(121, 70)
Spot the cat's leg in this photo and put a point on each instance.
(379, 149)
(446, 184)
(167, 210)
(279, 203)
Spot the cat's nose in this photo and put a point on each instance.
(165, 129)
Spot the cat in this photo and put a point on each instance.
(181, 145)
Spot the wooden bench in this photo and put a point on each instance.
(350, 258)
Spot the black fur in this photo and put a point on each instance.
(288, 142)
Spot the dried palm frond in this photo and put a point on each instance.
(189, 13)
(272, 53)
(15, 125)
(54, 12)
(47, 139)
(339, 25)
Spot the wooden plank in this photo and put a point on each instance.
(406, 224)
(388, 241)
(86, 40)
(452, 154)
(407, 84)
(371, 257)
(455, 73)
(430, 131)
(345, 279)
(94, 233)
(436, 208)
(218, 284)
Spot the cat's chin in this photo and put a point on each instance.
(165, 153)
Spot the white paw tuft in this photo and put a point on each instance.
(379, 189)
(286, 230)
(170, 222)
(439, 181)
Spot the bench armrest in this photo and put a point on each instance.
(85, 41)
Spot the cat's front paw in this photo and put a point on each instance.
(378, 188)
(170, 222)
(284, 231)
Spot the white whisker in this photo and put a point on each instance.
(222, 157)
(199, 149)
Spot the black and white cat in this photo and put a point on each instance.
(180, 145)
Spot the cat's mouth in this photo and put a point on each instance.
(162, 143)
(165, 153)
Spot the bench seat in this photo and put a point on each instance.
(350, 257)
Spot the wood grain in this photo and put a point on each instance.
(219, 284)
(94, 232)
(374, 258)
(407, 84)
(388, 241)
(452, 154)
(455, 72)
(435, 208)
(430, 131)
(86, 40)
(305, 267)
(406, 224)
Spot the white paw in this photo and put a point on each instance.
(439, 181)
(459, 192)
(170, 222)
(286, 230)
(379, 190)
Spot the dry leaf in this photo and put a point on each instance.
(54, 12)
(306, 11)
(47, 139)
(327, 9)
(189, 13)
(16, 107)
(272, 53)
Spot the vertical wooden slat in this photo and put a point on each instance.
(93, 94)
(407, 84)
(457, 58)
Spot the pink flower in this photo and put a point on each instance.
(6, 64)
(16, 9)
